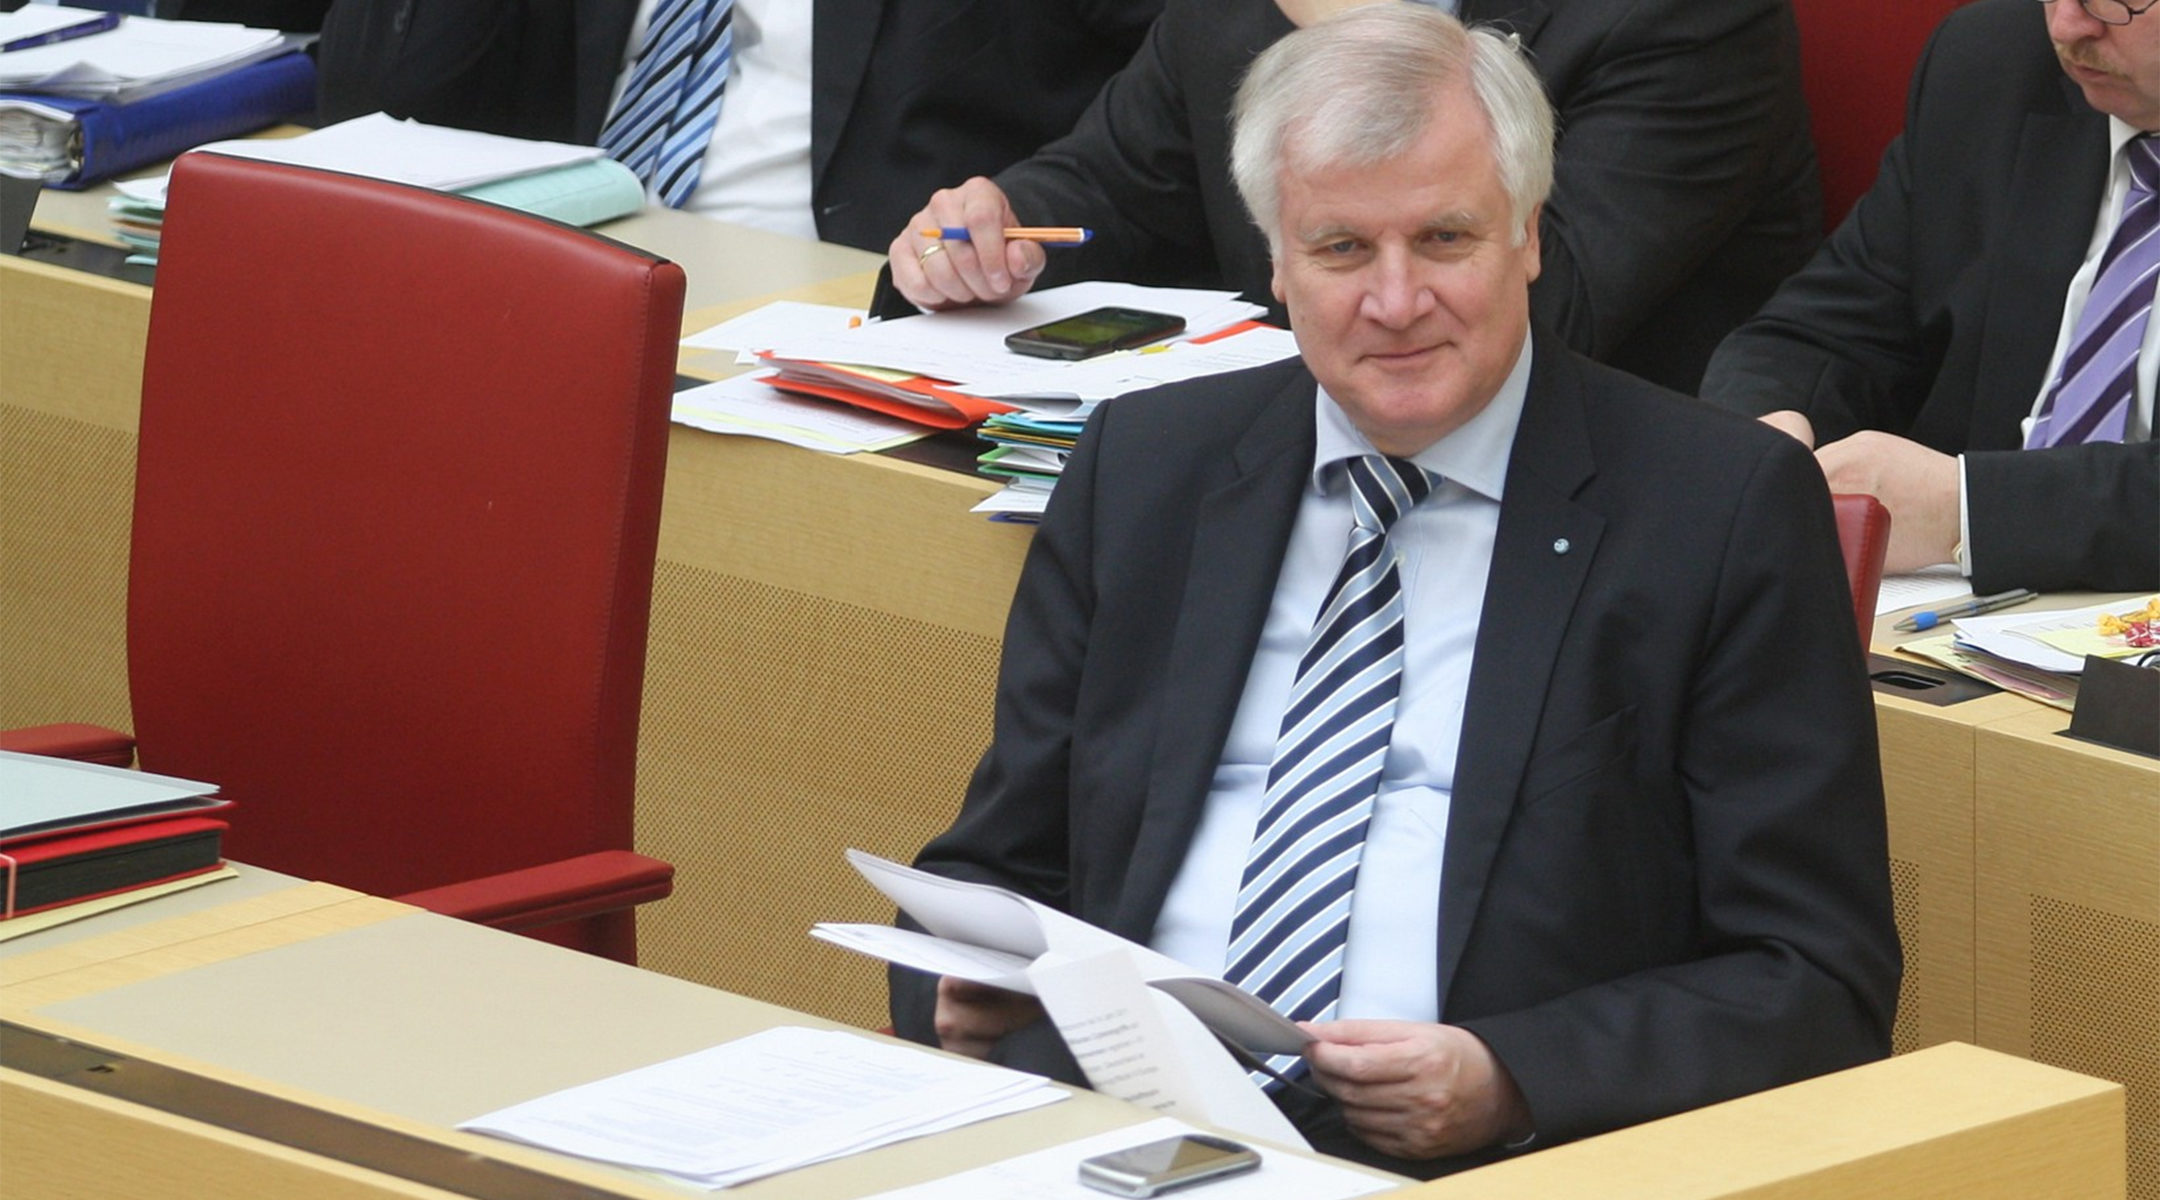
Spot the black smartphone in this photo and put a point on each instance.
(1158, 1167)
(1097, 331)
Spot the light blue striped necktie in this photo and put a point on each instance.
(664, 121)
(1292, 921)
(2091, 396)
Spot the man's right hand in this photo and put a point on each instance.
(972, 1017)
(935, 273)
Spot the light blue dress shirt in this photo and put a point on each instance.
(1390, 968)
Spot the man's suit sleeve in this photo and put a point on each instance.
(2070, 517)
(1012, 830)
(1128, 172)
(1840, 341)
(1671, 129)
(1798, 957)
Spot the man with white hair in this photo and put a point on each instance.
(1564, 813)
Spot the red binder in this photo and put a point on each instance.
(47, 871)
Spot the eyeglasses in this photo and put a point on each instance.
(2111, 12)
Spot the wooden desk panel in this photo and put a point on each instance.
(2068, 906)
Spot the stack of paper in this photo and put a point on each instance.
(574, 184)
(950, 370)
(2039, 655)
(767, 1103)
(1029, 446)
(72, 832)
(139, 57)
(925, 368)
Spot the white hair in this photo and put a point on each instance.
(1359, 89)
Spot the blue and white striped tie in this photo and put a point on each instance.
(664, 121)
(1292, 920)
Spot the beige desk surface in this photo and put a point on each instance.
(365, 1006)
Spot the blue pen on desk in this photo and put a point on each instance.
(66, 33)
(1971, 608)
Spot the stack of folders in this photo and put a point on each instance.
(74, 832)
(77, 107)
(577, 185)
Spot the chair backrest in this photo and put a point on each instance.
(397, 501)
(1856, 60)
(1863, 531)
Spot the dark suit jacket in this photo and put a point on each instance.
(1666, 876)
(908, 95)
(1685, 190)
(1933, 310)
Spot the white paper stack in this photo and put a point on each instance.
(767, 1103)
(141, 57)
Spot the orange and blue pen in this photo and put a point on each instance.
(1048, 235)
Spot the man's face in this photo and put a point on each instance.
(2117, 66)
(1406, 288)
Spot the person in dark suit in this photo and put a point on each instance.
(905, 94)
(1622, 845)
(1920, 344)
(1686, 187)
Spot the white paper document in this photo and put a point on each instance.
(1928, 585)
(1111, 375)
(44, 794)
(767, 1103)
(992, 918)
(774, 324)
(2016, 636)
(1143, 1047)
(1053, 1174)
(747, 405)
(140, 57)
(959, 344)
(382, 147)
(1143, 1025)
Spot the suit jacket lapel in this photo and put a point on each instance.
(845, 31)
(603, 44)
(1236, 556)
(1541, 555)
(2054, 192)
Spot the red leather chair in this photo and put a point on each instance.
(397, 499)
(1856, 61)
(1863, 530)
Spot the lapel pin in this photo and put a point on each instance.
(1560, 546)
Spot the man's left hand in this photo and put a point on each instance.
(1918, 485)
(1417, 1090)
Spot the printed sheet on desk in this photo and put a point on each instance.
(771, 1102)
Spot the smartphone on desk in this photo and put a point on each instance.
(1154, 1168)
(1096, 331)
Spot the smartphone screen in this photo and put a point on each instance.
(1097, 331)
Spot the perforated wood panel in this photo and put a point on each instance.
(66, 488)
(2096, 1010)
(1905, 1035)
(2068, 903)
(779, 729)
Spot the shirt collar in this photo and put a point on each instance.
(1474, 456)
(2120, 134)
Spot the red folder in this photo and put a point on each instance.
(42, 872)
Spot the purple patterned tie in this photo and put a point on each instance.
(2090, 398)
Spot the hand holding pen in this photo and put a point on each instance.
(983, 267)
(1971, 608)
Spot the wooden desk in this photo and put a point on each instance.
(410, 1022)
(2068, 907)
